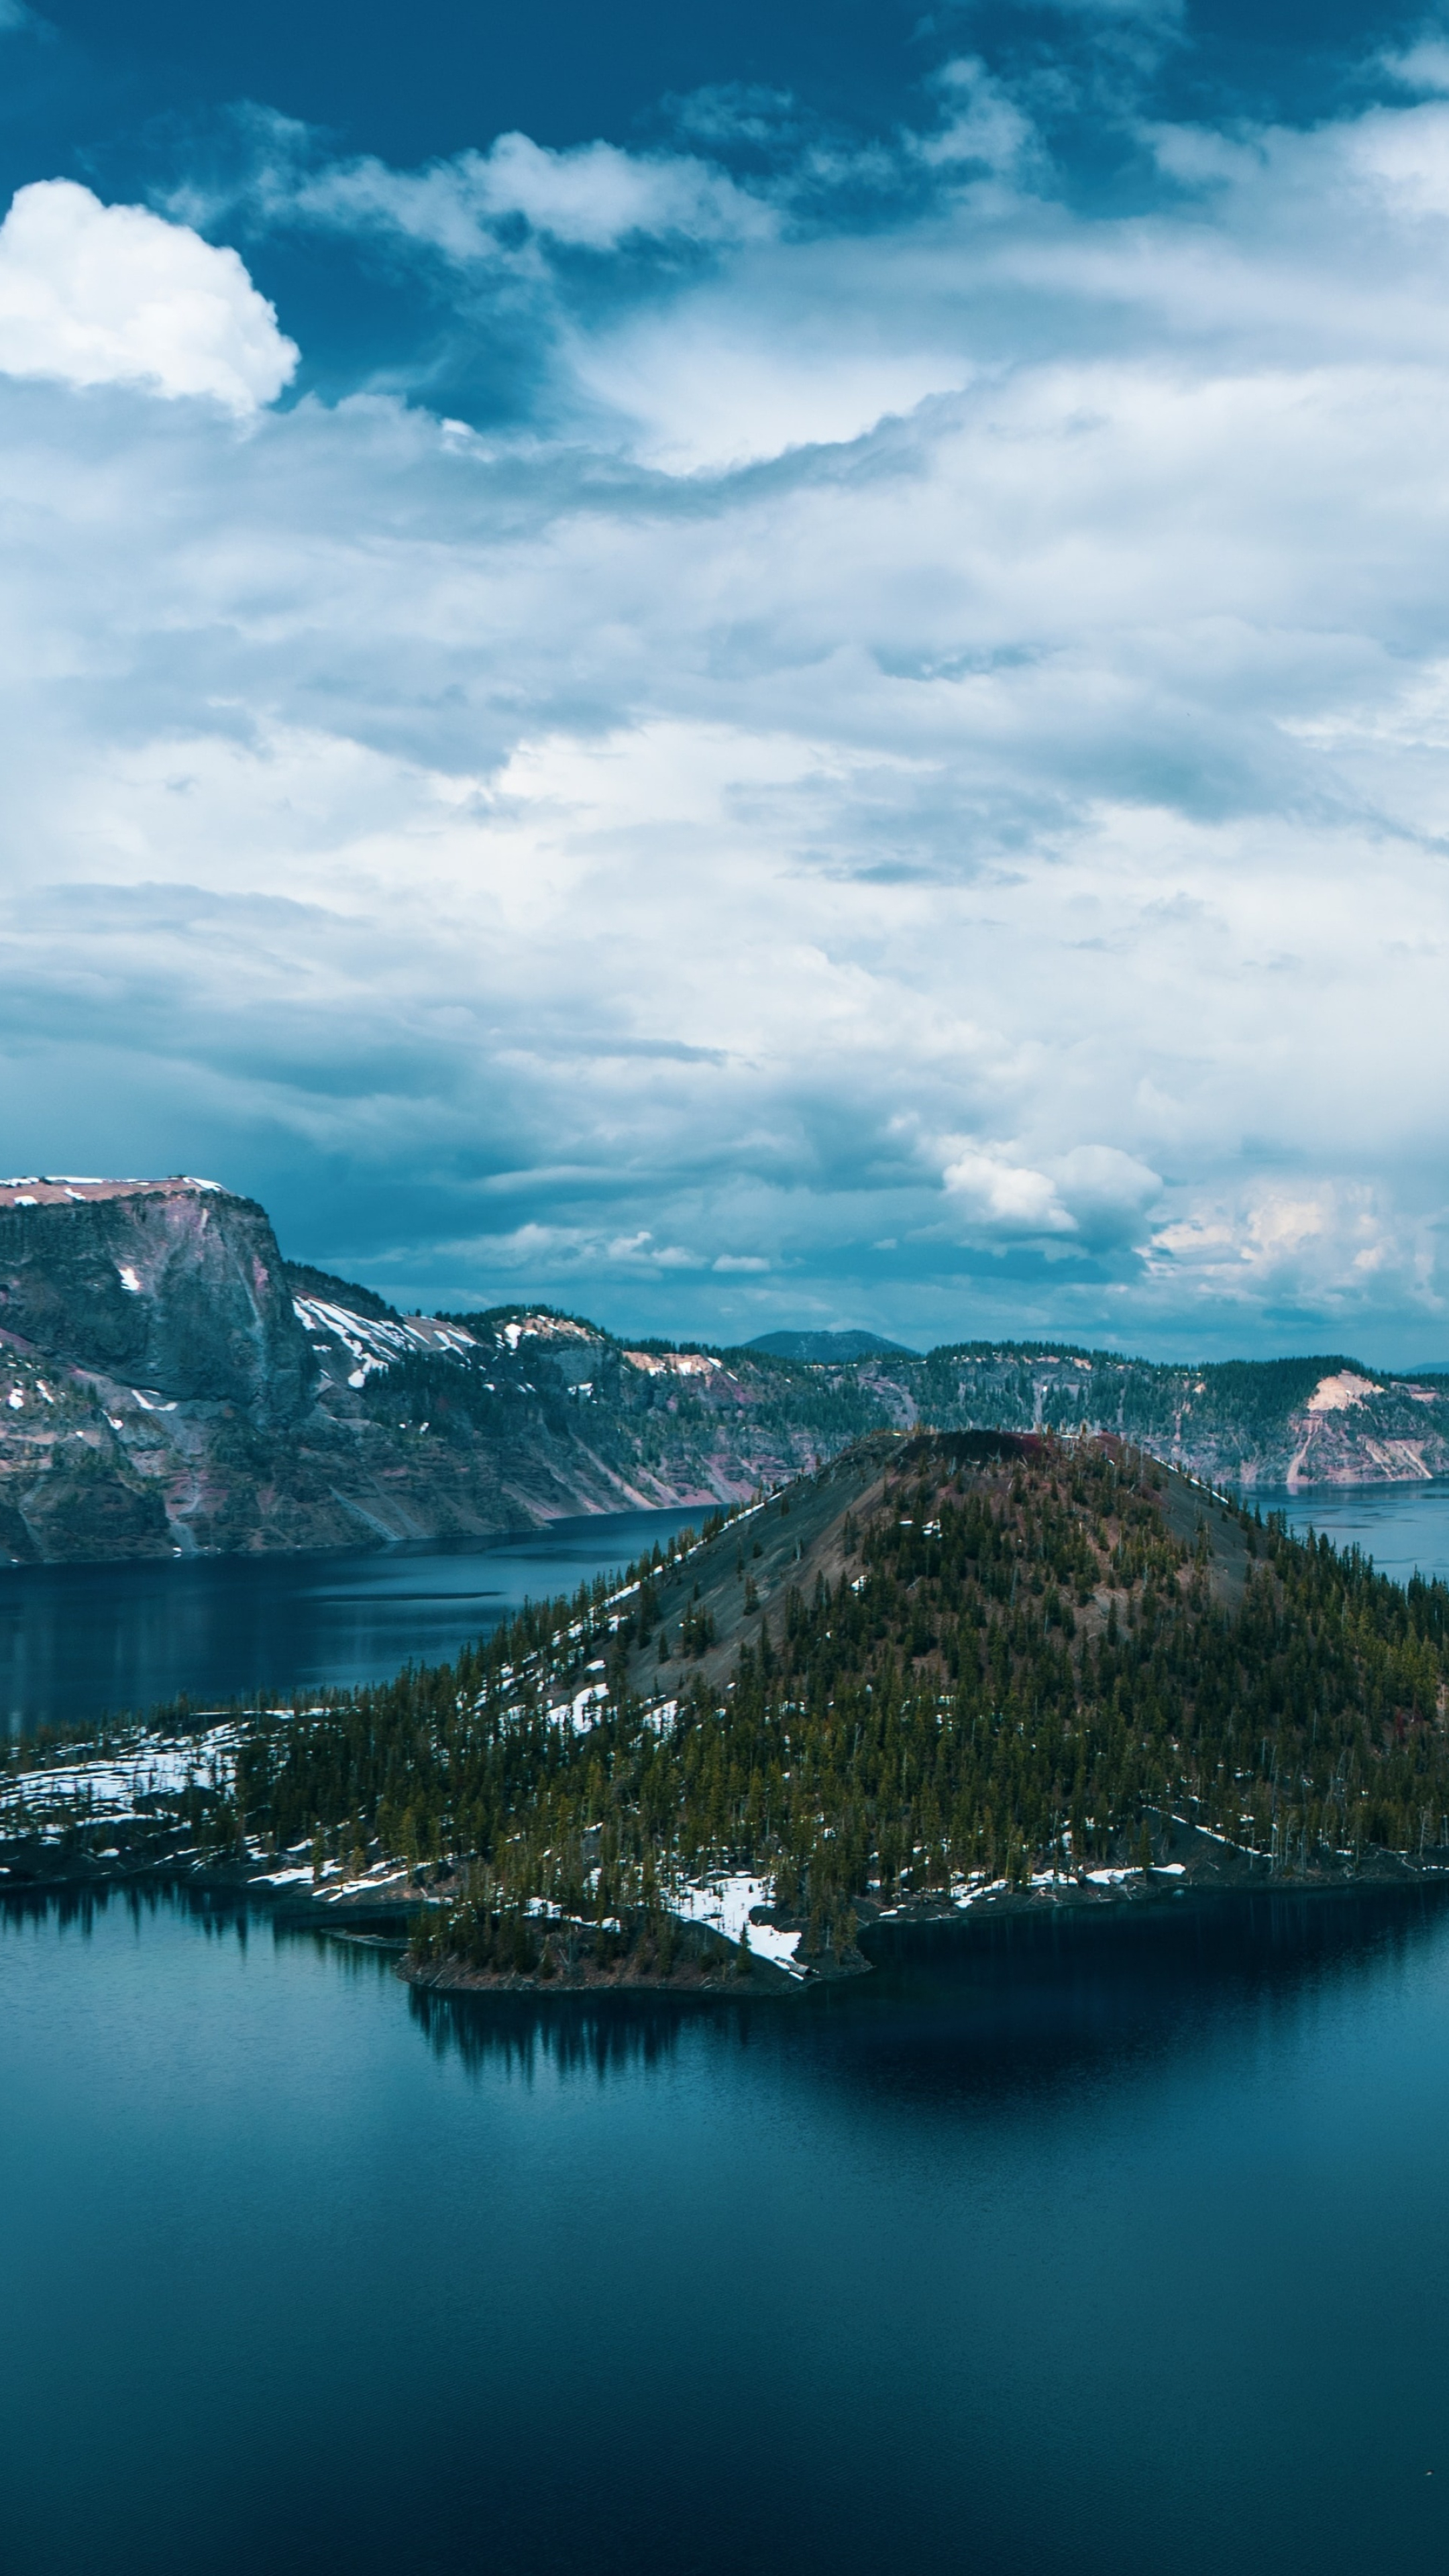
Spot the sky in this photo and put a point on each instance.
(745, 666)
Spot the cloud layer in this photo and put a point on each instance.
(910, 789)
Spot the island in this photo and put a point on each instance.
(946, 1674)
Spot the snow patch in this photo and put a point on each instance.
(725, 1905)
(372, 1341)
(112, 1784)
(543, 1328)
(582, 1711)
(673, 1363)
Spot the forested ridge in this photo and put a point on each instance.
(998, 1668)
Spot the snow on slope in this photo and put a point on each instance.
(110, 1784)
(725, 1905)
(374, 1343)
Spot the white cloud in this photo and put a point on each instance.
(1423, 66)
(596, 195)
(1006, 1196)
(983, 126)
(592, 196)
(99, 295)
(1334, 1245)
(1106, 1192)
(719, 386)
(1094, 1193)
(614, 869)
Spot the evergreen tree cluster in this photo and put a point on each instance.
(1015, 1668)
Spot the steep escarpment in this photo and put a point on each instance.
(175, 1286)
(1252, 1423)
(169, 1384)
(145, 1327)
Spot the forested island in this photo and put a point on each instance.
(945, 1672)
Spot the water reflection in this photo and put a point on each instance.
(986, 2018)
(988, 2014)
(1094, 2241)
(613, 2035)
(1032, 2009)
(83, 1909)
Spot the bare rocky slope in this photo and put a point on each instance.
(170, 1384)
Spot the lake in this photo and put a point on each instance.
(77, 1641)
(1399, 1526)
(1109, 2244)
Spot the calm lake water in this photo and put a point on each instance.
(1112, 2245)
(1399, 1526)
(79, 1640)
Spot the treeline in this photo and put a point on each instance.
(417, 1762)
(633, 1420)
(1017, 1670)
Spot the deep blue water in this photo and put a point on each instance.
(79, 1640)
(1399, 1526)
(1112, 2245)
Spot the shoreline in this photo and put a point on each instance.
(43, 1869)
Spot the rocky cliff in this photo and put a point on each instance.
(174, 1286)
(1293, 1423)
(169, 1385)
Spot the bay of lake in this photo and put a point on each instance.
(1400, 1526)
(81, 1641)
(1111, 2244)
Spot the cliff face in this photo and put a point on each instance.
(1297, 1423)
(147, 1335)
(174, 1286)
(168, 1385)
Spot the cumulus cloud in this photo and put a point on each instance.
(720, 385)
(99, 295)
(596, 195)
(1095, 1194)
(1006, 1196)
(1421, 66)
